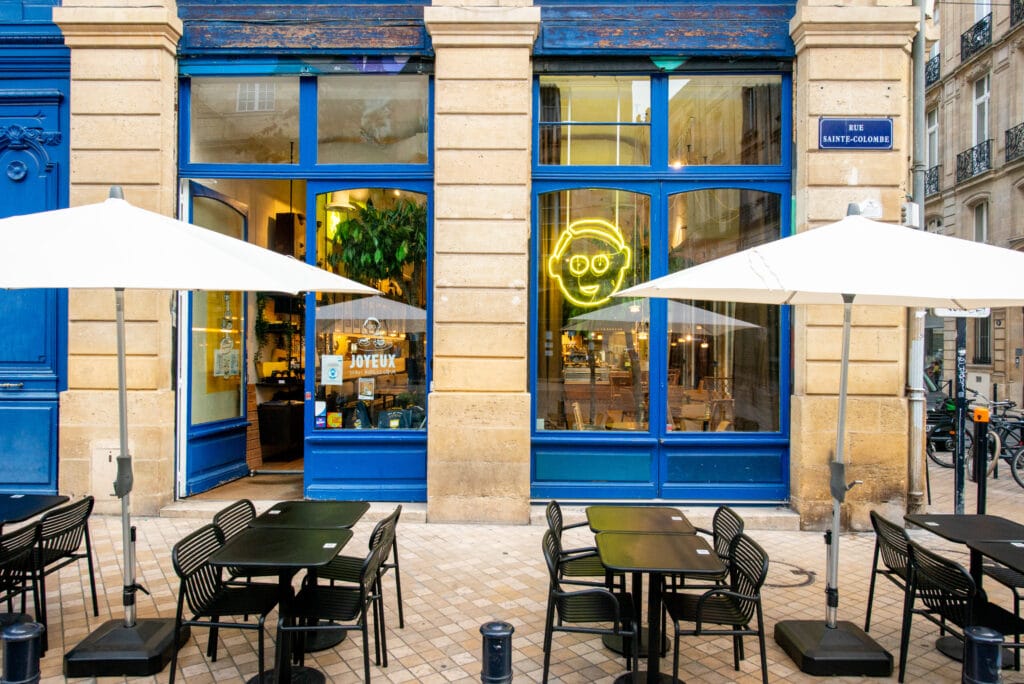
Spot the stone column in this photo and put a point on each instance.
(851, 61)
(478, 445)
(123, 132)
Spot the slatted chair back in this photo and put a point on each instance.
(726, 525)
(892, 545)
(943, 586)
(190, 557)
(552, 552)
(748, 568)
(16, 561)
(235, 517)
(585, 606)
(62, 530)
(553, 513)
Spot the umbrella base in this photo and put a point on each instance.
(845, 650)
(114, 650)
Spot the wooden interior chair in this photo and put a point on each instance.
(891, 549)
(576, 565)
(733, 611)
(594, 610)
(209, 599)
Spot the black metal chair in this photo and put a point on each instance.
(209, 598)
(949, 596)
(731, 609)
(60, 536)
(344, 607)
(231, 520)
(585, 608)
(347, 568)
(16, 576)
(726, 525)
(891, 548)
(574, 565)
(1014, 581)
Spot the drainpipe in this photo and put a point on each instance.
(915, 327)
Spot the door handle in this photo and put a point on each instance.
(12, 385)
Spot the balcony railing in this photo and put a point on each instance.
(931, 70)
(1015, 143)
(976, 38)
(931, 181)
(1016, 12)
(974, 161)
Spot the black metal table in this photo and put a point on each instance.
(638, 519)
(288, 550)
(18, 507)
(312, 514)
(969, 529)
(655, 554)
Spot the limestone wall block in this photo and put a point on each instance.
(855, 98)
(480, 339)
(117, 97)
(822, 202)
(111, 64)
(863, 378)
(855, 64)
(476, 374)
(511, 510)
(890, 316)
(482, 166)
(481, 270)
(96, 132)
(100, 372)
(475, 132)
(481, 201)
(865, 343)
(482, 237)
(482, 63)
(502, 97)
(112, 167)
(98, 409)
(100, 305)
(89, 338)
(852, 168)
(477, 305)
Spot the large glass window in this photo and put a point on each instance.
(724, 120)
(595, 120)
(593, 356)
(723, 357)
(371, 351)
(368, 119)
(251, 120)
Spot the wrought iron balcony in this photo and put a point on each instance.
(976, 38)
(931, 180)
(1016, 12)
(1015, 143)
(931, 70)
(976, 160)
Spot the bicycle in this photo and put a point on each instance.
(1006, 440)
(940, 443)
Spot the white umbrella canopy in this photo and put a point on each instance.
(851, 261)
(113, 244)
(878, 263)
(391, 314)
(682, 317)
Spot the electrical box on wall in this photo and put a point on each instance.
(288, 230)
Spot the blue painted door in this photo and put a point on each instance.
(212, 384)
(32, 322)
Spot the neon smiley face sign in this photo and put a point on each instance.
(590, 262)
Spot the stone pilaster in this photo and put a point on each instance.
(851, 61)
(123, 132)
(478, 449)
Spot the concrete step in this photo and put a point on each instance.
(755, 517)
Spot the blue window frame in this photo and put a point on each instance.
(639, 174)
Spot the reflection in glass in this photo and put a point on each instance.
(595, 120)
(372, 119)
(724, 120)
(592, 348)
(723, 357)
(217, 356)
(244, 120)
(371, 351)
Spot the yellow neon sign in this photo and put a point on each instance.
(589, 262)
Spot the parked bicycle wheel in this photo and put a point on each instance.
(941, 444)
(993, 453)
(1017, 467)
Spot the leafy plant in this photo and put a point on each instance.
(377, 244)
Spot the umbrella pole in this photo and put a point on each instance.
(123, 484)
(831, 588)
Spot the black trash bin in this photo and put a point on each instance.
(22, 644)
(983, 656)
(497, 656)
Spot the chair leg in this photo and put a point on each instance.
(92, 575)
(261, 649)
(211, 644)
(737, 647)
(366, 648)
(398, 585)
(41, 616)
(871, 590)
(908, 605)
(549, 621)
(760, 643)
(675, 651)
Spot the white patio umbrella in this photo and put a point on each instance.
(682, 317)
(113, 244)
(852, 261)
(391, 314)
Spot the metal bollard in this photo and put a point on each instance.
(22, 642)
(983, 656)
(497, 643)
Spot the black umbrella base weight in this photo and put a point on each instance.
(114, 650)
(845, 650)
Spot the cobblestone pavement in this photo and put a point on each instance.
(457, 577)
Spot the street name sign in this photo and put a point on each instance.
(855, 134)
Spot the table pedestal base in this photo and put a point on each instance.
(615, 643)
(952, 647)
(323, 639)
(300, 675)
(641, 678)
